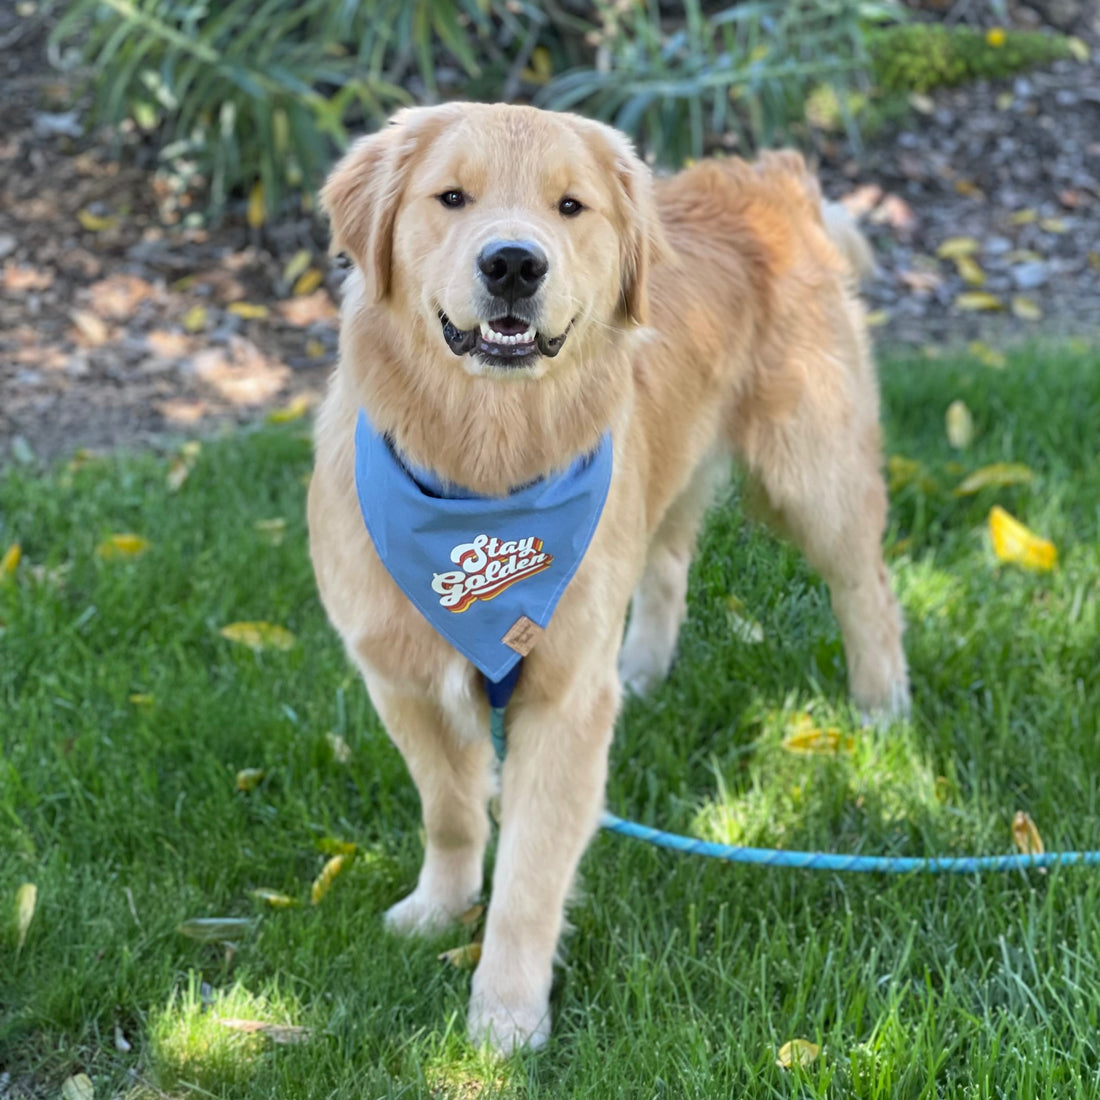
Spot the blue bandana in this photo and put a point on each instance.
(486, 572)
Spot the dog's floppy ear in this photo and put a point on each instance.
(642, 242)
(363, 192)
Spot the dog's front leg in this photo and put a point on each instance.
(552, 792)
(453, 776)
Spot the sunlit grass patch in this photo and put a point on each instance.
(153, 773)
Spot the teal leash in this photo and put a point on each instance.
(815, 861)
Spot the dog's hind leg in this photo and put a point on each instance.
(659, 603)
(453, 775)
(819, 466)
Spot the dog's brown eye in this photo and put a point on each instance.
(569, 207)
(453, 198)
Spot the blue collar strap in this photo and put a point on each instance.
(486, 572)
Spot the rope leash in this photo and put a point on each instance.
(817, 861)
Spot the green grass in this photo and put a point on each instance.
(682, 977)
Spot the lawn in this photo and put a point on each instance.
(126, 720)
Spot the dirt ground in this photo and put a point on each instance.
(121, 325)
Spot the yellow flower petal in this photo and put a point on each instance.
(323, 882)
(1026, 835)
(1015, 544)
(259, 635)
(797, 1052)
(122, 546)
(995, 37)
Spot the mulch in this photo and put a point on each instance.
(124, 324)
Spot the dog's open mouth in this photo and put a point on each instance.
(508, 340)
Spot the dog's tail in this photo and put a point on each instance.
(849, 241)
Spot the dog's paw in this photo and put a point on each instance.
(422, 914)
(894, 708)
(507, 1029)
(642, 668)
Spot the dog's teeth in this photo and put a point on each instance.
(528, 336)
(486, 331)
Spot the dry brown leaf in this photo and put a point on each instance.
(118, 296)
(306, 311)
(21, 277)
(166, 344)
(92, 330)
(241, 373)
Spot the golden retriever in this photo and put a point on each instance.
(695, 318)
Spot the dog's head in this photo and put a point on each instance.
(503, 233)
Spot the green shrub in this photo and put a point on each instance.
(921, 56)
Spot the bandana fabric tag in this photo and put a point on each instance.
(486, 572)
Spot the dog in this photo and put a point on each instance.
(527, 302)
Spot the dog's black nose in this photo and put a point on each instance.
(512, 269)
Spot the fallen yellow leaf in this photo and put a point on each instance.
(248, 779)
(26, 900)
(294, 409)
(955, 247)
(987, 356)
(960, 425)
(806, 739)
(141, 699)
(307, 282)
(256, 212)
(995, 476)
(745, 628)
(78, 1087)
(903, 472)
(971, 301)
(1022, 217)
(1015, 544)
(970, 271)
(797, 1052)
(1026, 835)
(465, 957)
(95, 223)
(179, 469)
(1079, 49)
(471, 916)
(1053, 225)
(323, 882)
(1026, 309)
(273, 898)
(250, 311)
(334, 846)
(272, 531)
(876, 318)
(122, 546)
(194, 320)
(315, 348)
(297, 264)
(10, 561)
(968, 189)
(341, 750)
(259, 635)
